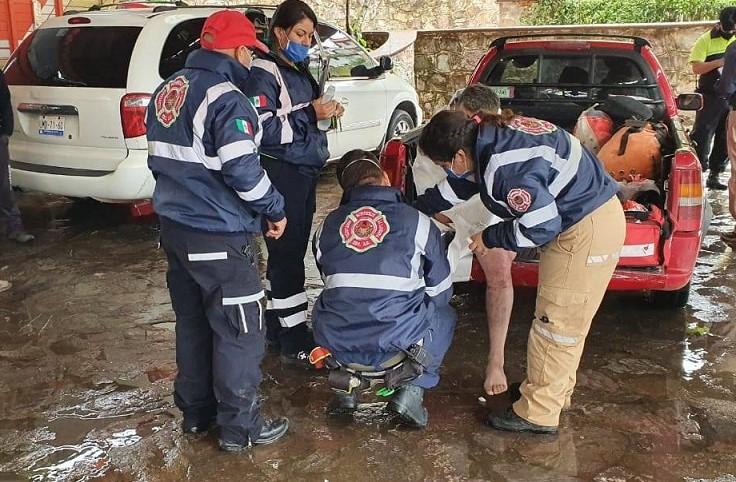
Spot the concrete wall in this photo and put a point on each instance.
(444, 59)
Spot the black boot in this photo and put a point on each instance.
(193, 427)
(407, 403)
(510, 422)
(296, 345)
(715, 183)
(271, 431)
(343, 403)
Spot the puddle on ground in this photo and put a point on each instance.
(88, 366)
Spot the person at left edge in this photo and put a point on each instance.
(211, 194)
(293, 152)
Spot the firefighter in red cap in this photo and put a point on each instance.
(212, 198)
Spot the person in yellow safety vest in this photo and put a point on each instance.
(706, 60)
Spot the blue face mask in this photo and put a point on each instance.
(466, 176)
(295, 52)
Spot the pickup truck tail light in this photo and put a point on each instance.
(133, 114)
(393, 161)
(687, 193)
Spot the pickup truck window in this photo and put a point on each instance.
(561, 76)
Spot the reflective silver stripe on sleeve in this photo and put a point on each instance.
(236, 149)
(521, 240)
(420, 243)
(207, 256)
(243, 300)
(372, 281)
(448, 194)
(443, 286)
(258, 191)
(539, 216)
(567, 168)
(317, 236)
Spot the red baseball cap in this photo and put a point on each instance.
(228, 29)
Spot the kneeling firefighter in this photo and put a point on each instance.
(384, 310)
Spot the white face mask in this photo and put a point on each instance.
(245, 60)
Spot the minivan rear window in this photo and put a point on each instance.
(74, 57)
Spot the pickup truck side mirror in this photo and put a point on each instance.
(386, 63)
(690, 101)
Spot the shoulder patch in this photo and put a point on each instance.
(170, 99)
(529, 125)
(519, 200)
(258, 101)
(244, 126)
(364, 229)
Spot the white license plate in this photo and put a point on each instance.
(51, 125)
(503, 92)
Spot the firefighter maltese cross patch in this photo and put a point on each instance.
(170, 99)
(531, 126)
(519, 200)
(364, 229)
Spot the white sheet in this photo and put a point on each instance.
(468, 218)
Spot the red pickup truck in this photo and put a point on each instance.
(556, 78)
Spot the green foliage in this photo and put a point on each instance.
(577, 12)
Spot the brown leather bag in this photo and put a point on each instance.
(634, 150)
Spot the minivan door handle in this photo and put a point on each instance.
(44, 109)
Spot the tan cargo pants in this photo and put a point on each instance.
(574, 272)
(731, 143)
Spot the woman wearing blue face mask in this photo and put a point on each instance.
(293, 151)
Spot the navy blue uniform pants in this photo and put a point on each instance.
(710, 130)
(287, 299)
(216, 294)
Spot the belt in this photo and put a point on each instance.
(389, 364)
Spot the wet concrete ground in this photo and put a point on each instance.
(87, 362)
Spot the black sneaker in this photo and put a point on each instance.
(271, 431)
(407, 403)
(510, 422)
(714, 183)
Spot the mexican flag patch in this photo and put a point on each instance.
(259, 101)
(244, 126)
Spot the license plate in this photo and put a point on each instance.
(503, 92)
(51, 125)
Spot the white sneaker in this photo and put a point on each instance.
(4, 285)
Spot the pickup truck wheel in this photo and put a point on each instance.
(401, 122)
(671, 299)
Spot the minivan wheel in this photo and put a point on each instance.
(401, 122)
(671, 299)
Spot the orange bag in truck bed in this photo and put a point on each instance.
(635, 149)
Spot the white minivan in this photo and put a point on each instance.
(80, 85)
